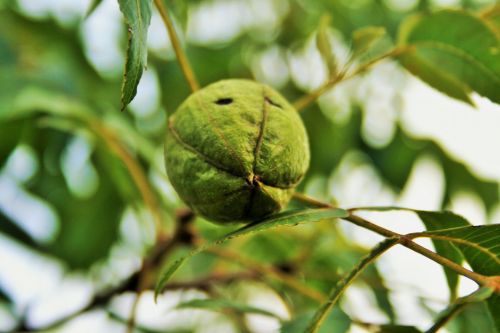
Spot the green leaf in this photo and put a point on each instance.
(137, 16)
(479, 245)
(494, 308)
(444, 317)
(365, 38)
(290, 218)
(445, 220)
(454, 52)
(220, 305)
(325, 47)
(336, 322)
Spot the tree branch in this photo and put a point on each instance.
(407, 242)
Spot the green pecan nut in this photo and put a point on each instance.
(235, 150)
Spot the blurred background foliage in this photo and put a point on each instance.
(82, 184)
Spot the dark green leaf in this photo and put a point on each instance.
(282, 219)
(396, 329)
(475, 317)
(479, 245)
(137, 16)
(454, 52)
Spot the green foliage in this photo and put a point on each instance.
(290, 218)
(479, 245)
(52, 95)
(138, 16)
(445, 220)
(453, 51)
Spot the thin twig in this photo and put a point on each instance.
(442, 321)
(133, 313)
(181, 56)
(304, 101)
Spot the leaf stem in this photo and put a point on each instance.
(342, 285)
(305, 100)
(181, 56)
(406, 241)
